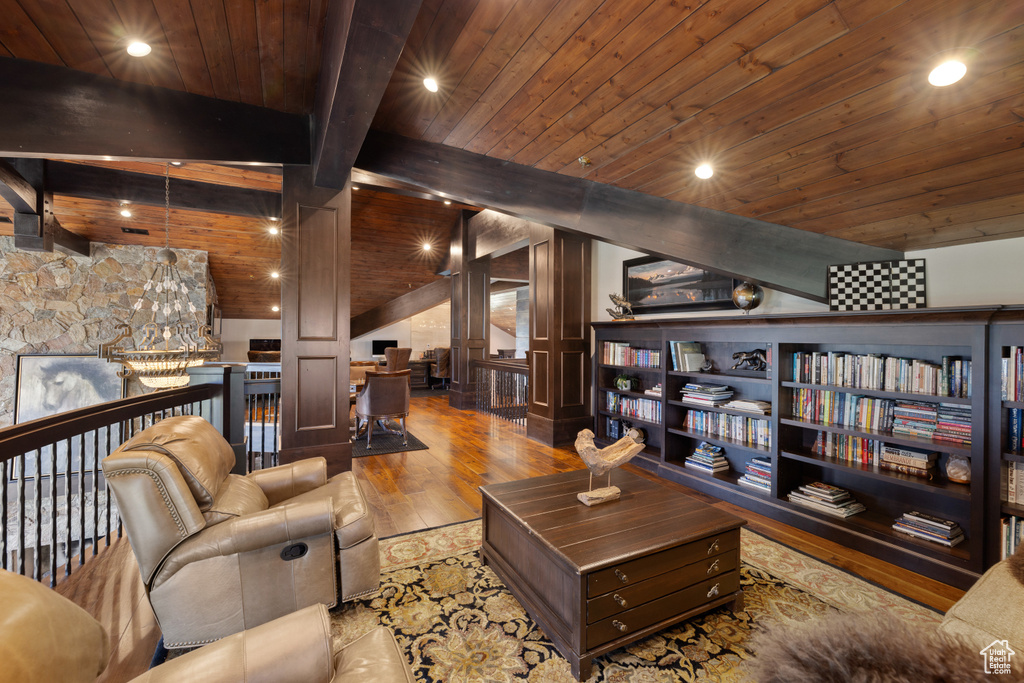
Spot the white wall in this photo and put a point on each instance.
(421, 332)
(235, 336)
(985, 273)
(500, 339)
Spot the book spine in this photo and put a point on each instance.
(918, 472)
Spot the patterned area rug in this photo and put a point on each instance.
(458, 623)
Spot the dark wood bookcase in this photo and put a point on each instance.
(977, 335)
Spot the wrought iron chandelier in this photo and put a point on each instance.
(153, 360)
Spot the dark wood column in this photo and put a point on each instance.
(559, 336)
(471, 315)
(315, 321)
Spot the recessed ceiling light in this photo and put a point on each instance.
(273, 230)
(137, 48)
(430, 84)
(175, 163)
(275, 309)
(447, 202)
(125, 211)
(947, 73)
(275, 275)
(704, 171)
(355, 187)
(426, 246)
(274, 218)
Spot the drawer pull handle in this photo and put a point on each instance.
(619, 599)
(714, 591)
(622, 577)
(713, 547)
(713, 567)
(619, 625)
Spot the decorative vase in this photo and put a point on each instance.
(958, 469)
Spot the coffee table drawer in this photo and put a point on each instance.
(665, 607)
(633, 572)
(655, 587)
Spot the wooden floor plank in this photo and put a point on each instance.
(415, 490)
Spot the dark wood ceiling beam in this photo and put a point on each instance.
(496, 234)
(777, 256)
(363, 40)
(405, 306)
(94, 182)
(25, 185)
(54, 111)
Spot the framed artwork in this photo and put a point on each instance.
(654, 285)
(48, 385)
(877, 286)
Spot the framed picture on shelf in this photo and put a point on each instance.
(48, 385)
(654, 285)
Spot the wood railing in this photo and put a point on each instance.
(262, 422)
(55, 505)
(501, 388)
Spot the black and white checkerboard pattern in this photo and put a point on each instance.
(876, 286)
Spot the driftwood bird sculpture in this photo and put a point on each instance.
(602, 461)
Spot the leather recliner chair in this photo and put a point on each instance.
(221, 552)
(44, 637)
(384, 396)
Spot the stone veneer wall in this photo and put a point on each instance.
(58, 303)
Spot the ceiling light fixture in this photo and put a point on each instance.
(275, 274)
(274, 218)
(427, 246)
(355, 187)
(137, 48)
(275, 309)
(273, 230)
(176, 163)
(704, 171)
(125, 211)
(447, 202)
(584, 161)
(163, 368)
(947, 73)
(430, 84)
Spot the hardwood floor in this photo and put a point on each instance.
(421, 489)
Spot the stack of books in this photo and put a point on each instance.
(707, 458)
(758, 474)
(750, 405)
(908, 461)
(914, 418)
(654, 391)
(826, 498)
(953, 423)
(686, 356)
(706, 394)
(919, 525)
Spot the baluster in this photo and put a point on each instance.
(3, 515)
(250, 410)
(21, 514)
(68, 507)
(81, 500)
(106, 493)
(37, 500)
(95, 489)
(53, 515)
(277, 425)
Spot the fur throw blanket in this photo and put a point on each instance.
(867, 648)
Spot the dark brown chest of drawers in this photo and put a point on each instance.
(597, 578)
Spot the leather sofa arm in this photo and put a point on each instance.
(295, 648)
(290, 522)
(287, 481)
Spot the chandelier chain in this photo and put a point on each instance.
(167, 206)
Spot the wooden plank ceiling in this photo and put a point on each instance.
(815, 114)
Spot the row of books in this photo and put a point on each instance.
(706, 394)
(751, 431)
(842, 409)
(1015, 430)
(826, 498)
(621, 353)
(1012, 374)
(926, 527)
(940, 421)
(758, 474)
(884, 373)
(1012, 532)
(645, 409)
(1014, 483)
(888, 457)
(686, 356)
(707, 458)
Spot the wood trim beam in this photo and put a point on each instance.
(18, 192)
(53, 111)
(24, 184)
(784, 258)
(363, 40)
(496, 234)
(416, 301)
(107, 184)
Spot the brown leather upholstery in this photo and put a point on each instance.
(357, 371)
(209, 544)
(442, 367)
(44, 637)
(397, 358)
(384, 396)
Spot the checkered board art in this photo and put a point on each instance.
(876, 286)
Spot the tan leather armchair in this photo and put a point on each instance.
(45, 637)
(221, 552)
(397, 358)
(384, 396)
(442, 367)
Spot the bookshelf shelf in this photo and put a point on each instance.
(926, 348)
(940, 486)
(630, 394)
(628, 418)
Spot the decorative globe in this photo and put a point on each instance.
(747, 296)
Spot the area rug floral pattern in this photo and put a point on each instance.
(458, 623)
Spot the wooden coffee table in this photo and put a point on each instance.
(597, 578)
